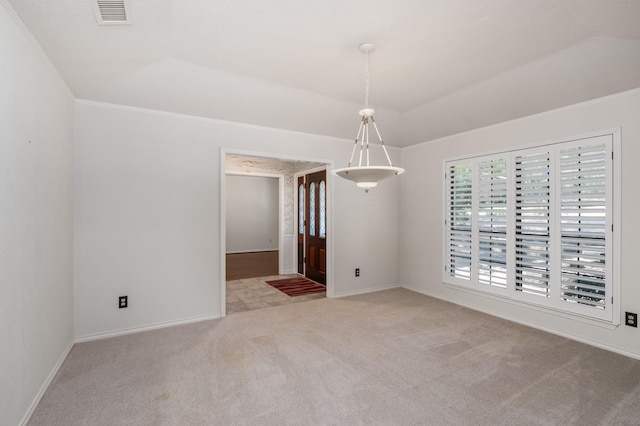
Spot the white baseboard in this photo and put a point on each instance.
(368, 290)
(155, 326)
(528, 324)
(45, 385)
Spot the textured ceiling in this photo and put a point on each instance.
(440, 66)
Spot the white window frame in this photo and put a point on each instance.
(610, 314)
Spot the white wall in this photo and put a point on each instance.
(422, 219)
(36, 303)
(147, 214)
(253, 207)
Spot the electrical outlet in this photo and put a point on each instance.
(357, 272)
(123, 302)
(631, 319)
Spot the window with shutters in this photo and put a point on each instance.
(532, 232)
(492, 222)
(459, 220)
(535, 225)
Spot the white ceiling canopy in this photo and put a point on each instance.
(442, 66)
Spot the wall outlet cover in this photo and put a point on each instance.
(631, 319)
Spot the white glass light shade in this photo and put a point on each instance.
(367, 185)
(367, 177)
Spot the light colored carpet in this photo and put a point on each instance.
(389, 358)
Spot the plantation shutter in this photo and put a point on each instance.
(585, 225)
(492, 222)
(536, 225)
(532, 170)
(459, 220)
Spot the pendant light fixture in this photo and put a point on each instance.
(367, 176)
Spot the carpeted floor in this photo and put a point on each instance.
(387, 358)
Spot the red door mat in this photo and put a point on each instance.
(298, 286)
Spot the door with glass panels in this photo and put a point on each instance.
(315, 231)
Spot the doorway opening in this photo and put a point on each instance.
(257, 248)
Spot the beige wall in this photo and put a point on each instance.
(253, 209)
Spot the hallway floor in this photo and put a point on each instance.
(254, 293)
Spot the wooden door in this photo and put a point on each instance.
(316, 226)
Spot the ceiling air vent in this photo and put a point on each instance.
(109, 12)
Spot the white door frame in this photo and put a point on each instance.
(223, 220)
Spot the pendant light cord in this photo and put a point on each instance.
(366, 82)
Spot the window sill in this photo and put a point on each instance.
(609, 325)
